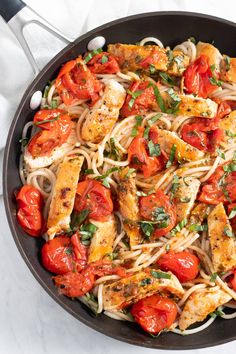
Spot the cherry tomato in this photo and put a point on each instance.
(183, 264)
(74, 284)
(76, 81)
(203, 134)
(157, 206)
(197, 78)
(54, 133)
(154, 313)
(139, 157)
(224, 108)
(145, 99)
(103, 63)
(220, 187)
(233, 280)
(92, 195)
(29, 215)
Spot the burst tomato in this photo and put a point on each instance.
(197, 78)
(139, 156)
(233, 280)
(183, 264)
(96, 198)
(158, 207)
(220, 187)
(154, 313)
(76, 81)
(56, 127)
(64, 254)
(103, 63)
(29, 215)
(141, 99)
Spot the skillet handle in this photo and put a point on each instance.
(19, 15)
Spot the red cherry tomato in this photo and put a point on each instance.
(64, 254)
(214, 192)
(29, 215)
(103, 63)
(233, 280)
(145, 99)
(92, 195)
(183, 264)
(154, 313)
(74, 284)
(54, 133)
(139, 157)
(197, 78)
(158, 203)
(76, 81)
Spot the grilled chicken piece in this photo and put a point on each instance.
(222, 246)
(128, 201)
(102, 240)
(228, 69)
(64, 195)
(131, 57)
(210, 51)
(200, 304)
(197, 107)
(101, 118)
(184, 151)
(185, 196)
(200, 213)
(56, 154)
(227, 124)
(126, 291)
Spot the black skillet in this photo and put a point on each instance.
(171, 28)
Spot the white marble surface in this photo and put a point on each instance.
(30, 321)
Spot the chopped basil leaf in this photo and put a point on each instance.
(48, 120)
(114, 152)
(146, 133)
(227, 62)
(172, 156)
(145, 281)
(213, 277)
(104, 59)
(87, 231)
(161, 218)
(152, 69)
(147, 228)
(212, 68)
(197, 227)
(154, 149)
(174, 105)
(160, 275)
(220, 153)
(159, 98)
(129, 173)
(133, 95)
(24, 141)
(215, 82)
(142, 194)
(92, 54)
(77, 219)
(179, 226)
(230, 134)
(184, 179)
(228, 232)
(112, 255)
(166, 79)
(108, 172)
(175, 185)
(154, 119)
(216, 313)
(105, 183)
(230, 167)
(138, 123)
(185, 200)
(234, 156)
(88, 171)
(167, 248)
(232, 213)
(170, 56)
(54, 104)
(193, 40)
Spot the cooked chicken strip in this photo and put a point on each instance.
(130, 58)
(222, 244)
(185, 196)
(184, 151)
(56, 154)
(197, 106)
(101, 118)
(228, 69)
(126, 291)
(200, 304)
(64, 195)
(128, 201)
(228, 126)
(199, 213)
(210, 51)
(102, 240)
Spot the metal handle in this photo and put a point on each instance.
(18, 15)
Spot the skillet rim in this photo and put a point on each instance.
(59, 300)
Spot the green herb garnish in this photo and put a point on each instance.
(92, 54)
(104, 59)
(220, 153)
(172, 156)
(232, 213)
(147, 229)
(145, 281)
(179, 226)
(87, 231)
(215, 82)
(160, 275)
(213, 277)
(24, 141)
(88, 171)
(227, 62)
(228, 232)
(166, 79)
(129, 173)
(138, 123)
(197, 227)
(230, 134)
(230, 167)
(152, 69)
(154, 149)
(77, 219)
(193, 40)
(133, 95)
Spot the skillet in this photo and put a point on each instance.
(171, 28)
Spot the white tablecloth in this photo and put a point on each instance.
(30, 321)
